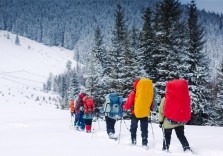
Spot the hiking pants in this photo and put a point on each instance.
(110, 125)
(144, 129)
(180, 135)
(88, 123)
(80, 120)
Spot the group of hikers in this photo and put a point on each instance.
(174, 111)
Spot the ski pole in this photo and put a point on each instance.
(120, 130)
(126, 125)
(152, 131)
(93, 126)
(98, 124)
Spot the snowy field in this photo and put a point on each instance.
(33, 130)
(30, 124)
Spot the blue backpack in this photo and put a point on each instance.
(113, 105)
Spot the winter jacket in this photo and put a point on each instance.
(129, 104)
(79, 104)
(161, 118)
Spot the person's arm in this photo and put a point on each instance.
(161, 112)
(130, 101)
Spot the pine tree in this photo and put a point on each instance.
(147, 38)
(17, 41)
(168, 42)
(197, 68)
(93, 75)
(121, 56)
(96, 69)
(138, 70)
(216, 113)
(74, 87)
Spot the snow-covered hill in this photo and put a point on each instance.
(25, 67)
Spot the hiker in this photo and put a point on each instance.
(71, 103)
(140, 101)
(176, 98)
(88, 112)
(72, 112)
(112, 110)
(79, 111)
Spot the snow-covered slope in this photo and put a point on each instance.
(25, 67)
(32, 130)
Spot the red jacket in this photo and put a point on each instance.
(130, 102)
(131, 98)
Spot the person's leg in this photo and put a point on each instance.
(183, 140)
(167, 138)
(76, 119)
(144, 129)
(133, 128)
(81, 121)
(88, 123)
(110, 125)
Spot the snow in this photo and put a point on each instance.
(30, 127)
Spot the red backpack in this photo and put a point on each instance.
(177, 107)
(88, 104)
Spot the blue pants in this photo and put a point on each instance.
(80, 120)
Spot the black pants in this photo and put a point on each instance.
(144, 129)
(110, 125)
(180, 135)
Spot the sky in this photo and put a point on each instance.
(30, 127)
(208, 5)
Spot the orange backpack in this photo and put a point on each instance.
(72, 105)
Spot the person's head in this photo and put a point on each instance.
(82, 95)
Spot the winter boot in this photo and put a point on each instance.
(133, 141)
(187, 149)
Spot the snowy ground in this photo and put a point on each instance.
(31, 126)
(30, 129)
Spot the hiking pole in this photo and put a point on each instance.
(152, 131)
(120, 130)
(71, 121)
(126, 125)
(97, 118)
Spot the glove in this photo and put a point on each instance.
(96, 110)
(160, 124)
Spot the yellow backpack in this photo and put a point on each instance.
(143, 98)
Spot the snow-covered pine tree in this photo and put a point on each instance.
(121, 67)
(197, 69)
(74, 87)
(218, 107)
(168, 42)
(78, 68)
(147, 42)
(17, 41)
(216, 111)
(135, 49)
(98, 59)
